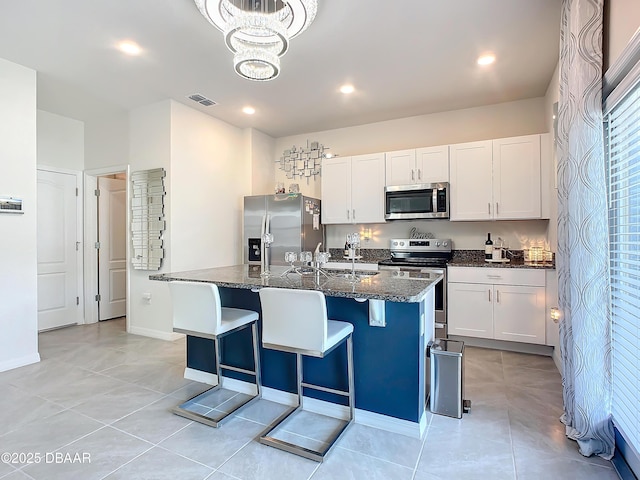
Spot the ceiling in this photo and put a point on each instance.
(404, 58)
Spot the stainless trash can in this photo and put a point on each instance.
(446, 359)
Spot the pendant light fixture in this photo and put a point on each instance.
(258, 31)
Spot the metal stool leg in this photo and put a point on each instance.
(217, 421)
(317, 455)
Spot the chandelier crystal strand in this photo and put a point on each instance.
(258, 31)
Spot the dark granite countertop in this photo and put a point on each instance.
(475, 258)
(367, 255)
(381, 286)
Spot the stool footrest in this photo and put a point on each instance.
(208, 419)
(316, 455)
(237, 369)
(325, 389)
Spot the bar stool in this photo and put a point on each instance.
(197, 311)
(296, 321)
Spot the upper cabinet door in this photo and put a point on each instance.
(401, 167)
(516, 177)
(336, 190)
(471, 181)
(367, 189)
(432, 164)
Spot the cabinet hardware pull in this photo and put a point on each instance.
(497, 296)
(354, 213)
(413, 174)
(489, 207)
(494, 276)
(347, 214)
(489, 295)
(497, 209)
(419, 175)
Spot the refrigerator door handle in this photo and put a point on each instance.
(263, 226)
(267, 223)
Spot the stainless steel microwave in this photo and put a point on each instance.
(410, 202)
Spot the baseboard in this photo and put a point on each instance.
(212, 379)
(391, 424)
(149, 332)
(200, 376)
(19, 362)
(625, 460)
(545, 350)
(362, 417)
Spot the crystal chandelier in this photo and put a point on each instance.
(258, 31)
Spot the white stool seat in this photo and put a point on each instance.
(337, 332)
(296, 321)
(197, 311)
(234, 318)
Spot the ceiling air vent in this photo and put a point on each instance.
(202, 100)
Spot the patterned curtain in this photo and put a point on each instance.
(583, 254)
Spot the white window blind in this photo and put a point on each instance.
(622, 130)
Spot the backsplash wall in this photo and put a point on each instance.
(518, 234)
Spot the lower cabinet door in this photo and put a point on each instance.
(519, 314)
(470, 309)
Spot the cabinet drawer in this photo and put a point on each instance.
(497, 276)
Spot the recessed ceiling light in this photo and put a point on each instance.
(130, 48)
(486, 59)
(347, 89)
(249, 110)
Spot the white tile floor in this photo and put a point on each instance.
(102, 392)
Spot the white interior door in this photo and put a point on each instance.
(58, 295)
(112, 263)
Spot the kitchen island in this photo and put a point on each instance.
(389, 350)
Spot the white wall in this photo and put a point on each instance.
(150, 147)
(210, 175)
(623, 22)
(481, 123)
(107, 141)
(60, 141)
(18, 253)
(262, 154)
(458, 126)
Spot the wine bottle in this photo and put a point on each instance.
(488, 248)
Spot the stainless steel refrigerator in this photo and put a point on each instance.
(292, 219)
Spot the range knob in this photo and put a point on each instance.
(395, 244)
(402, 244)
(444, 244)
(437, 244)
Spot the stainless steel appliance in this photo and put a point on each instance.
(293, 220)
(445, 378)
(410, 202)
(418, 255)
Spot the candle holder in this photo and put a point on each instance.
(267, 240)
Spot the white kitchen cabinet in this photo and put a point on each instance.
(470, 182)
(496, 179)
(422, 165)
(469, 310)
(400, 167)
(336, 190)
(516, 177)
(501, 304)
(519, 314)
(432, 164)
(353, 189)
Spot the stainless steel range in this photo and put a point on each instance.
(410, 256)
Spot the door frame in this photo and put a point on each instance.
(79, 233)
(91, 237)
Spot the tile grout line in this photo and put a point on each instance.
(424, 442)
